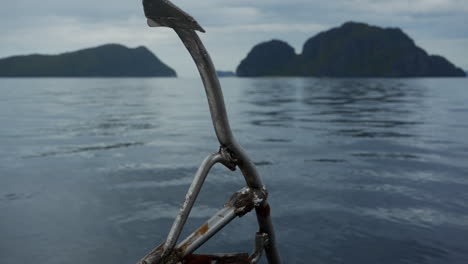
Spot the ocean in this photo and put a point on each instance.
(358, 170)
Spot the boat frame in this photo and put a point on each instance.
(230, 154)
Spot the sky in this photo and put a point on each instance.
(233, 26)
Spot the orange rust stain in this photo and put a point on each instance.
(203, 229)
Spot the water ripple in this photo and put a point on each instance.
(78, 149)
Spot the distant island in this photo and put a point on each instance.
(351, 50)
(111, 60)
(226, 74)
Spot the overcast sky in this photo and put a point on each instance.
(233, 26)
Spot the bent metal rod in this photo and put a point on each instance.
(254, 196)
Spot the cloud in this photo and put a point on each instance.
(233, 27)
(399, 7)
(54, 33)
(274, 27)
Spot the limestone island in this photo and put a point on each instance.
(111, 60)
(351, 50)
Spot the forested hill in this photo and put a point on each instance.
(351, 50)
(111, 60)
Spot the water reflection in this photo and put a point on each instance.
(365, 108)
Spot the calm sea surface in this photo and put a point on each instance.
(359, 170)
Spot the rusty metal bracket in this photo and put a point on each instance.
(247, 199)
(241, 202)
(164, 13)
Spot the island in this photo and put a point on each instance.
(351, 50)
(222, 74)
(111, 60)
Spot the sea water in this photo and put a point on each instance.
(358, 170)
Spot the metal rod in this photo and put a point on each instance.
(223, 131)
(261, 240)
(207, 230)
(216, 104)
(212, 86)
(164, 13)
(266, 226)
(190, 198)
(240, 203)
